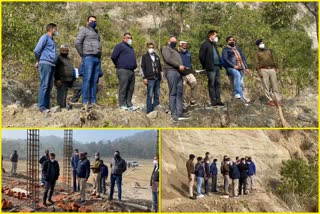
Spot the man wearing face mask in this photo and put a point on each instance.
(188, 75)
(42, 160)
(96, 169)
(236, 65)
(200, 173)
(173, 66)
(210, 60)
(154, 183)
(226, 173)
(267, 69)
(63, 75)
(152, 75)
(83, 173)
(207, 173)
(45, 53)
(89, 48)
(124, 59)
(74, 165)
(243, 167)
(51, 172)
(118, 167)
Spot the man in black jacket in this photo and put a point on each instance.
(51, 172)
(154, 183)
(63, 75)
(210, 60)
(152, 74)
(243, 167)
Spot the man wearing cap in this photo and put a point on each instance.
(210, 60)
(14, 162)
(89, 48)
(267, 69)
(45, 53)
(42, 160)
(152, 75)
(96, 169)
(83, 173)
(174, 67)
(63, 75)
(188, 75)
(118, 167)
(74, 165)
(236, 65)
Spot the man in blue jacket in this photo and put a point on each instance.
(83, 173)
(235, 176)
(200, 173)
(46, 56)
(251, 173)
(214, 175)
(124, 59)
(74, 165)
(236, 64)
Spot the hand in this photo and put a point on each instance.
(145, 81)
(277, 70)
(236, 67)
(181, 68)
(36, 65)
(58, 83)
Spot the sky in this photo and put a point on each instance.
(79, 135)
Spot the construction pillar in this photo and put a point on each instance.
(67, 154)
(33, 166)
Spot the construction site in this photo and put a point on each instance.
(23, 192)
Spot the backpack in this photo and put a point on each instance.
(104, 171)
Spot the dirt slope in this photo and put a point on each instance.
(267, 148)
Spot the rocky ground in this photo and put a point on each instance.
(267, 148)
(20, 110)
(136, 193)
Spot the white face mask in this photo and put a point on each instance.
(155, 162)
(208, 162)
(216, 39)
(52, 160)
(262, 46)
(96, 157)
(130, 42)
(150, 50)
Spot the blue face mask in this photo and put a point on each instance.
(93, 24)
(56, 33)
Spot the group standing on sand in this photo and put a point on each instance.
(177, 68)
(240, 173)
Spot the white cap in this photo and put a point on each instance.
(183, 42)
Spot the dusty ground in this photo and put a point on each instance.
(267, 148)
(135, 191)
(300, 111)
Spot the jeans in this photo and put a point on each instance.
(237, 77)
(49, 185)
(114, 179)
(126, 86)
(153, 89)
(74, 176)
(92, 66)
(214, 84)
(46, 72)
(76, 87)
(206, 186)
(199, 185)
(62, 94)
(155, 201)
(214, 183)
(175, 84)
(103, 188)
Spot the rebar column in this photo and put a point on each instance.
(33, 166)
(67, 153)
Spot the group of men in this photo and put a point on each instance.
(239, 173)
(177, 67)
(50, 172)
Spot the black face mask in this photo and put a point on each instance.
(64, 54)
(173, 44)
(232, 44)
(117, 156)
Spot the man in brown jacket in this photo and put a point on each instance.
(266, 67)
(191, 174)
(226, 172)
(96, 169)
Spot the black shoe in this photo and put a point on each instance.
(219, 103)
(51, 201)
(214, 103)
(192, 198)
(110, 199)
(45, 203)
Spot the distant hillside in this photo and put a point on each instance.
(141, 145)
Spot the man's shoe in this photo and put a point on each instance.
(193, 103)
(133, 108)
(45, 111)
(174, 119)
(237, 96)
(183, 117)
(44, 203)
(85, 107)
(110, 199)
(219, 103)
(192, 198)
(51, 201)
(124, 108)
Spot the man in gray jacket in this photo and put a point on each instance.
(118, 166)
(89, 48)
(173, 66)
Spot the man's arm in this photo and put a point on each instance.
(225, 58)
(202, 55)
(39, 48)
(167, 58)
(115, 54)
(79, 41)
